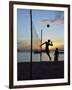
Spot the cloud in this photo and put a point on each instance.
(58, 19)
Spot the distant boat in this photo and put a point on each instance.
(38, 51)
(62, 52)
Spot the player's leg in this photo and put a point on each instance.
(49, 56)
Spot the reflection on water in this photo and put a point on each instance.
(25, 57)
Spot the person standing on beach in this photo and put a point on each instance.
(56, 54)
(47, 44)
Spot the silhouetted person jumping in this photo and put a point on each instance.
(56, 54)
(47, 44)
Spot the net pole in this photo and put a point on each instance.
(31, 45)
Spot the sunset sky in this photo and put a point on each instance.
(40, 19)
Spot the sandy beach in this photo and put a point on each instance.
(40, 70)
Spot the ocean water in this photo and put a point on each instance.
(25, 57)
